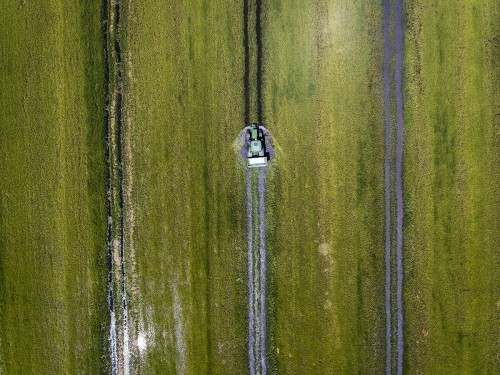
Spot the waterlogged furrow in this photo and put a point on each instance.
(118, 338)
(112, 315)
(112, 342)
(119, 143)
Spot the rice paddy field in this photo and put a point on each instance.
(133, 239)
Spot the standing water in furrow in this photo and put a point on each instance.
(109, 236)
(118, 339)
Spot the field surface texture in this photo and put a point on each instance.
(53, 310)
(133, 239)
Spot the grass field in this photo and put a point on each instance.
(181, 191)
(324, 106)
(451, 188)
(184, 109)
(53, 310)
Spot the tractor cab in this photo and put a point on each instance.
(256, 154)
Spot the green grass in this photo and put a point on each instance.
(324, 105)
(53, 309)
(451, 188)
(184, 191)
(184, 108)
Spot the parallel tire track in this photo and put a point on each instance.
(263, 270)
(398, 183)
(387, 54)
(399, 180)
(246, 74)
(258, 37)
(251, 332)
(256, 259)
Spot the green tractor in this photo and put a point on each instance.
(256, 155)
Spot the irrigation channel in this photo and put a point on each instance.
(393, 29)
(256, 227)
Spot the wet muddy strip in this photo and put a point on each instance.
(119, 332)
(109, 239)
(119, 142)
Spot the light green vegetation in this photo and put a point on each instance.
(184, 187)
(185, 210)
(324, 106)
(452, 196)
(53, 308)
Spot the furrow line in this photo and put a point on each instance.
(107, 135)
(263, 270)
(387, 54)
(399, 181)
(258, 37)
(251, 333)
(119, 141)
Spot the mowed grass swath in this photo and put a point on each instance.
(186, 255)
(53, 310)
(452, 194)
(324, 105)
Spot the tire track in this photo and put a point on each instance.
(263, 270)
(399, 180)
(257, 269)
(258, 37)
(256, 256)
(251, 332)
(246, 74)
(387, 54)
